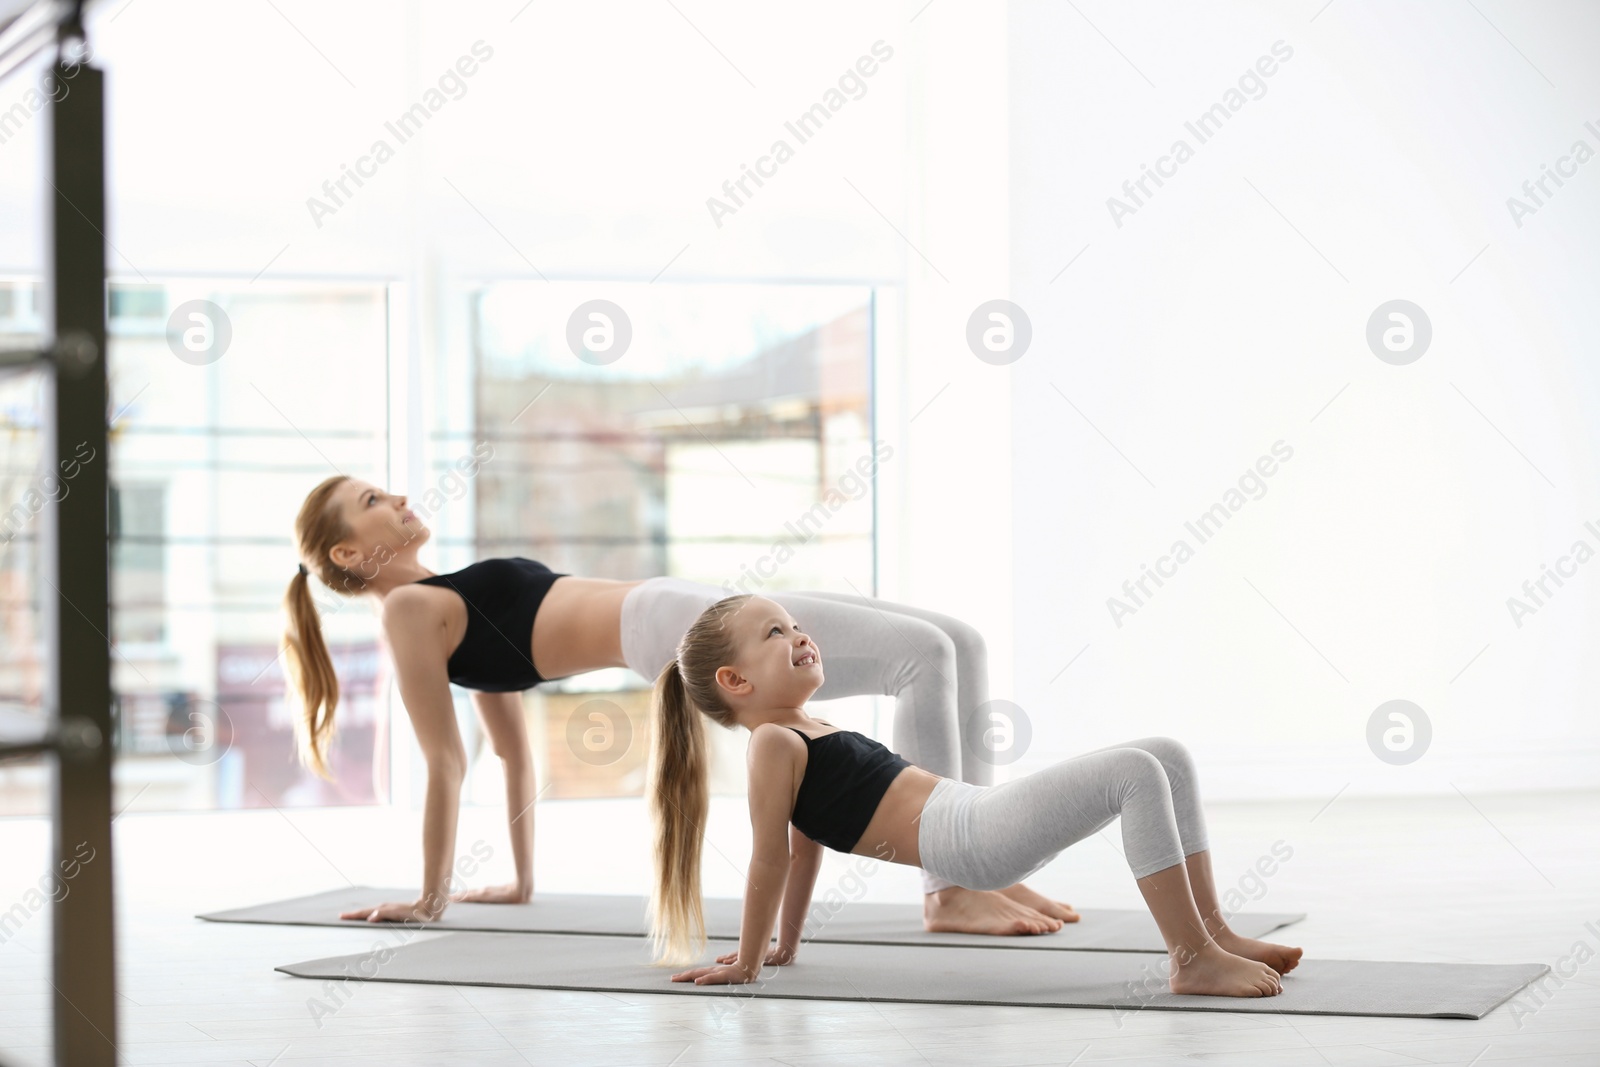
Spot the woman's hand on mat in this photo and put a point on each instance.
(777, 956)
(725, 975)
(415, 911)
(495, 894)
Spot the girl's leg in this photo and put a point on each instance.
(1183, 784)
(990, 837)
(986, 838)
(1282, 958)
(1200, 964)
(1186, 809)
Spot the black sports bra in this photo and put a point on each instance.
(846, 776)
(502, 596)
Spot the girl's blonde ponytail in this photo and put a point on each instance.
(677, 790)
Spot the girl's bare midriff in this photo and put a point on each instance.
(892, 834)
(579, 626)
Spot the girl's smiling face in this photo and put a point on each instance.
(778, 662)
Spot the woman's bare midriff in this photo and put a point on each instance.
(579, 626)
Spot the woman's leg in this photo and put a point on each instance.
(868, 648)
(925, 702)
(875, 648)
(932, 665)
(926, 708)
(655, 615)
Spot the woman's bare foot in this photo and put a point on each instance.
(1219, 973)
(1056, 909)
(1280, 958)
(974, 911)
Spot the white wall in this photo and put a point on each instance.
(946, 496)
(586, 144)
(1229, 312)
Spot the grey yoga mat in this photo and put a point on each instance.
(856, 922)
(1119, 980)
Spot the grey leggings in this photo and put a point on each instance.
(989, 838)
(935, 666)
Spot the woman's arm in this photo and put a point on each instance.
(507, 728)
(774, 756)
(413, 632)
(380, 736)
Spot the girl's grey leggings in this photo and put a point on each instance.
(935, 666)
(991, 837)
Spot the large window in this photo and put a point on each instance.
(724, 436)
(719, 419)
(720, 433)
(229, 400)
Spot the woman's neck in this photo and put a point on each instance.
(397, 572)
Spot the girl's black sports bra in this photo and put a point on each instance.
(846, 776)
(502, 596)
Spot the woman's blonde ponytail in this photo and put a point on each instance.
(309, 668)
(307, 664)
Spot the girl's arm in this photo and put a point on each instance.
(413, 634)
(774, 756)
(805, 860)
(772, 764)
(503, 721)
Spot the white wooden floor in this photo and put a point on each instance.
(1515, 878)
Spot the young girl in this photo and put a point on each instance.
(485, 626)
(746, 662)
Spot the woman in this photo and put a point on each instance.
(745, 662)
(485, 627)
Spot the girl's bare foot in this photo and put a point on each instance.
(977, 911)
(1219, 973)
(1056, 909)
(1280, 958)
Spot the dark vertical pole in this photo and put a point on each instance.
(76, 564)
(872, 424)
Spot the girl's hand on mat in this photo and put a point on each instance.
(495, 894)
(414, 911)
(734, 975)
(776, 956)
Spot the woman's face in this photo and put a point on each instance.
(381, 526)
(777, 659)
